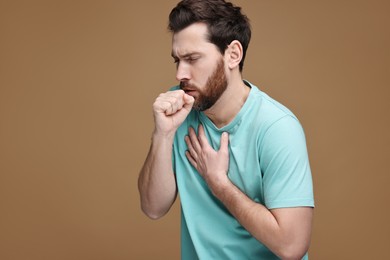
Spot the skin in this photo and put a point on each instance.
(208, 96)
(285, 231)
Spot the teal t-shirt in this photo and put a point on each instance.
(268, 161)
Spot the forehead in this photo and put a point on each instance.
(191, 39)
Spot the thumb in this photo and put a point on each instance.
(188, 101)
(186, 108)
(224, 142)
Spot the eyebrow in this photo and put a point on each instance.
(187, 55)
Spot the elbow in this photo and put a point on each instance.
(155, 207)
(289, 256)
(296, 252)
(153, 214)
(150, 209)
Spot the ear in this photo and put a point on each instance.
(233, 54)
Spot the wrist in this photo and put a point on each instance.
(161, 135)
(220, 187)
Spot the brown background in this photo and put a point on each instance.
(77, 80)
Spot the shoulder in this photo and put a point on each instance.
(271, 109)
(267, 113)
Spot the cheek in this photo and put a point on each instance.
(201, 75)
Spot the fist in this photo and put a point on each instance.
(170, 109)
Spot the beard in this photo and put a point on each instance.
(209, 94)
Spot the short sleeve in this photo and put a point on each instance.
(287, 180)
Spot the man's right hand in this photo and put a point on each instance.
(170, 109)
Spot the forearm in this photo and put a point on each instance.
(285, 231)
(264, 225)
(156, 183)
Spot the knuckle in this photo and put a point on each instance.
(156, 104)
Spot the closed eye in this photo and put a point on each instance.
(191, 59)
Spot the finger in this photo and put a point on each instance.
(224, 142)
(202, 136)
(171, 101)
(192, 161)
(188, 100)
(174, 104)
(167, 104)
(180, 100)
(194, 140)
(191, 150)
(169, 107)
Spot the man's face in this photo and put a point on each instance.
(200, 66)
(211, 92)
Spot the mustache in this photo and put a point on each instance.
(184, 85)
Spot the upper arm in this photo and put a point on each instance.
(296, 225)
(287, 180)
(284, 162)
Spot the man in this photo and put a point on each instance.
(237, 157)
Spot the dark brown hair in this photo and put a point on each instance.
(225, 22)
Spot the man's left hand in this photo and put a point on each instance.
(212, 165)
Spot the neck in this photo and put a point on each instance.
(229, 104)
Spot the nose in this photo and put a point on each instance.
(182, 72)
